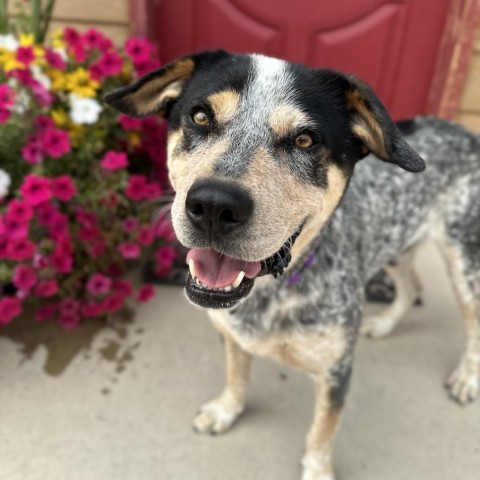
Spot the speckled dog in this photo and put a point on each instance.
(261, 152)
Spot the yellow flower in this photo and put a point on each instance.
(81, 83)
(26, 39)
(9, 61)
(39, 56)
(76, 134)
(60, 117)
(57, 39)
(58, 78)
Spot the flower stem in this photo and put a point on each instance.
(3, 16)
(46, 17)
(35, 26)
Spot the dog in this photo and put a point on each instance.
(293, 187)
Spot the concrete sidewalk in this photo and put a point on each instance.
(105, 404)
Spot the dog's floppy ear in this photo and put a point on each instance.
(378, 134)
(151, 93)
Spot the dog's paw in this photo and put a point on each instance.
(315, 469)
(217, 416)
(464, 383)
(377, 326)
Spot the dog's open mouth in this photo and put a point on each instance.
(219, 281)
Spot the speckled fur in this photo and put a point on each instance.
(383, 214)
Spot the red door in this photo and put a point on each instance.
(391, 44)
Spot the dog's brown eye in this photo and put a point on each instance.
(200, 118)
(304, 140)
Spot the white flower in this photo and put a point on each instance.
(4, 183)
(22, 101)
(40, 77)
(9, 42)
(84, 110)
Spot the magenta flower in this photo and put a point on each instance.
(24, 277)
(129, 123)
(63, 188)
(55, 142)
(130, 225)
(113, 303)
(135, 187)
(92, 309)
(145, 66)
(19, 210)
(69, 321)
(110, 64)
(25, 55)
(7, 96)
(69, 306)
(61, 263)
(97, 248)
(92, 38)
(35, 189)
(16, 227)
(86, 219)
(46, 288)
(46, 214)
(71, 36)
(152, 190)
(99, 284)
(45, 312)
(32, 153)
(114, 160)
(58, 226)
(42, 122)
(4, 115)
(164, 256)
(145, 236)
(123, 287)
(19, 249)
(139, 49)
(43, 97)
(54, 59)
(10, 308)
(145, 293)
(129, 250)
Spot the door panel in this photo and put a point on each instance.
(390, 44)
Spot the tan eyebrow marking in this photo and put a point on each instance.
(286, 119)
(224, 105)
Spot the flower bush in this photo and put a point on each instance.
(76, 180)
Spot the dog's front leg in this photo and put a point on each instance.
(219, 415)
(330, 392)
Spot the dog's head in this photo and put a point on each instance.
(260, 152)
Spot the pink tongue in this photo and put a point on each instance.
(218, 271)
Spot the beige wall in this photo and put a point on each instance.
(469, 114)
(109, 16)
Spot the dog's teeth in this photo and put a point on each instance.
(238, 280)
(191, 266)
(227, 288)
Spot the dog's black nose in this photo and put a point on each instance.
(217, 208)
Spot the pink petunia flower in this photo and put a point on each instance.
(54, 59)
(110, 64)
(129, 123)
(15, 227)
(63, 188)
(145, 236)
(19, 249)
(58, 226)
(43, 97)
(32, 153)
(86, 219)
(92, 309)
(164, 256)
(99, 284)
(152, 190)
(24, 277)
(10, 308)
(19, 210)
(69, 321)
(45, 312)
(92, 38)
(114, 160)
(35, 189)
(123, 287)
(72, 37)
(25, 55)
(135, 187)
(4, 115)
(68, 306)
(113, 303)
(129, 250)
(88, 234)
(7, 96)
(61, 263)
(55, 142)
(145, 66)
(130, 225)
(42, 122)
(46, 288)
(46, 214)
(145, 293)
(96, 72)
(139, 49)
